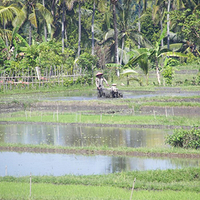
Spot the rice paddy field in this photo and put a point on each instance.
(113, 134)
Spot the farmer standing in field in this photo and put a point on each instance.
(99, 82)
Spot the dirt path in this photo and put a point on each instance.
(98, 107)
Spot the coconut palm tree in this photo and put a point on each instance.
(8, 13)
(176, 4)
(31, 10)
(101, 6)
(116, 58)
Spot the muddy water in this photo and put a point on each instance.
(131, 95)
(77, 136)
(22, 164)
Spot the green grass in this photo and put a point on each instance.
(158, 184)
(120, 150)
(28, 116)
(172, 104)
(80, 192)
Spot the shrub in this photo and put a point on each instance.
(68, 82)
(168, 74)
(184, 138)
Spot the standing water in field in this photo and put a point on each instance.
(77, 136)
(22, 164)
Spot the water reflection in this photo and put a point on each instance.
(126, 95)
(74, 136)
(22, 164)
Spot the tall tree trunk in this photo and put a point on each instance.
(79, 30)
(93, 27)
(115, 37)
(93, 38)
(63, 27)
(139, 25)
(168, 9)
(53, 10)
(161, 28)
(30, 34)
(4, 28)
(157, 72)
(45, 28)
(121, 59)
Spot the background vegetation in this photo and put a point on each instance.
(68, 37)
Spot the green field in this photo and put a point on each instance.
(28, 116)
(167, 184)
(80, 192)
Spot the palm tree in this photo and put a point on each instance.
(127, 25)
(101, 6)
(69, 5)
(141, 56)
(30, 9)
(45, 27)
(116, 58)
(177, 4)
(79, 28)
(8, 13)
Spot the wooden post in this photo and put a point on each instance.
(132, 188)
(28, 78)
(166, 112)
(6, 171)
(57, 114)
(30, 184)
(154, 113)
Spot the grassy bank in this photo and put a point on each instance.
(156, 184)
(29, 116)
(142, 151)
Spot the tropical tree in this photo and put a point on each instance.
(101, 6)
(116, 58)
(8, 13)
(31, 10)
(141, 56)
(156, 52)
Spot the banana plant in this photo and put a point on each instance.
(156, 52)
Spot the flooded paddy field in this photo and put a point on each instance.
(81, 136)
(22, 164)
(16, 163)
(88, 102)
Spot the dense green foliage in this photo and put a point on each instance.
(57, 34)
(185, 138)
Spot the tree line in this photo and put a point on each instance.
(81, 36)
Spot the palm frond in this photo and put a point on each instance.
(8, 13)
(32, 18)
(128, 72)
(20, 18)
(109, 34)
(173, 54)
(136, 59)
(173, 47)
(163, 34)
(45, 13)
